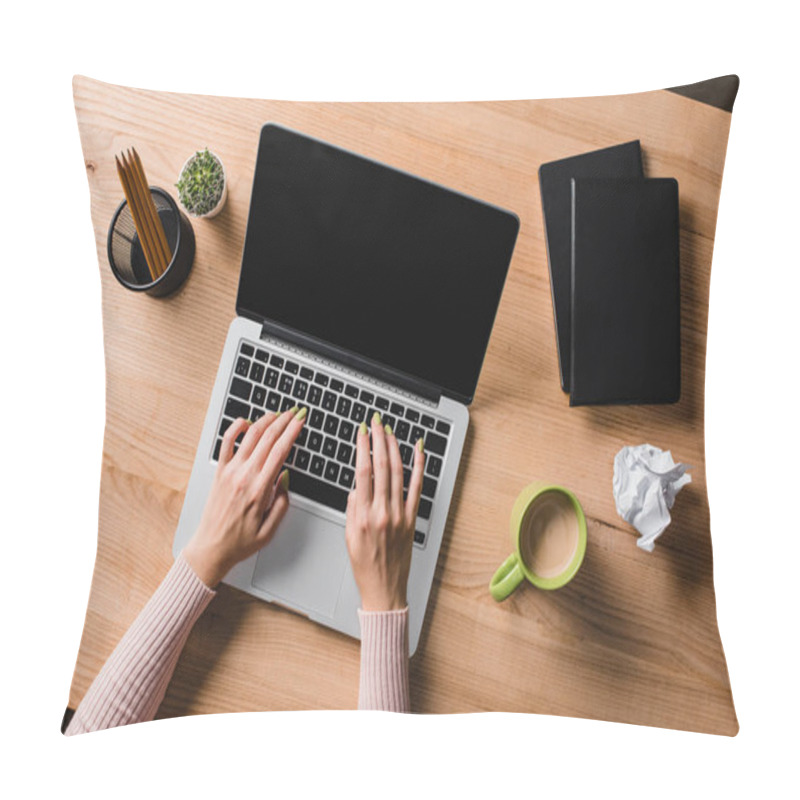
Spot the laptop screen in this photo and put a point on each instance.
(373, 260)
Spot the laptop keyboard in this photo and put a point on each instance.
(322, 461)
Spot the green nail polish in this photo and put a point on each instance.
(293, 409)
(363, 427)
(301, 414)
(420, 445)
(376, 417)
(388, 429)
(284, 479)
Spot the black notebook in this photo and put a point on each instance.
(624, 161)
(625, 311)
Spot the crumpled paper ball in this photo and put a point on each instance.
(646, 480)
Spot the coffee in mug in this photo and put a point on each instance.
(548, 531)
(548, 538)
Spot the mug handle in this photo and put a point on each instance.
(507, 578)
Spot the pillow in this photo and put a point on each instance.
(633, 638)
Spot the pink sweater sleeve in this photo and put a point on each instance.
(384, 661)
(132, 683)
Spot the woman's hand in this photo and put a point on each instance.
(247, 499)
(380, 525)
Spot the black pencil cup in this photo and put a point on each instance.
(126, 256)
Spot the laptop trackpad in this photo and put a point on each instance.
(304, 564)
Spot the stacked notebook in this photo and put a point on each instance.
(613, 249)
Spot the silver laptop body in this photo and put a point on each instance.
(306, 568)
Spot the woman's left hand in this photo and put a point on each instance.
(248, 498)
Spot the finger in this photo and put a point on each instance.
(271, 436)
(350, 526)
(273, 517)
(281, 483)
(380, 460)
(281, 448)
(415, 484)
(226, 448)
(395, 470)
(363, 493)
(255, 433)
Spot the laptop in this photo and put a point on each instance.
(362, 288)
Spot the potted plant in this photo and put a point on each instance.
(202, 185)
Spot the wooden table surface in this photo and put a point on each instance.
(633, 638)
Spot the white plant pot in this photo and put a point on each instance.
(223, 197)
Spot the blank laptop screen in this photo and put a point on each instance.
(373, 260)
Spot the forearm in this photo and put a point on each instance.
(384, 661)
(132, 683)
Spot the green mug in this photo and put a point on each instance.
(562, 528)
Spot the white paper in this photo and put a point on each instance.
(646, 480)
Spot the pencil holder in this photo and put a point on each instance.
(126, 256)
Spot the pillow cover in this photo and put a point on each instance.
(633, 638)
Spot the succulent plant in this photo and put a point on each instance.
(201, 183)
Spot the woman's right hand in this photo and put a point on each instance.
(380, 525)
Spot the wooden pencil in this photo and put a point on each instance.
(137, 220)
(140, 198)
(161, 236)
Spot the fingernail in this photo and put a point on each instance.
(284, 480)
(388, 429)
(363, 427)
(420, 445)
(293, 409)
(303, 411)
(376, 417)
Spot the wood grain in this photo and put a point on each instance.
(633, 638)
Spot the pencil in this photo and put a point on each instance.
(140, 193)
(132, 200)
(157, 226)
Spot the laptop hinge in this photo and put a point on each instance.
(363, 368)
